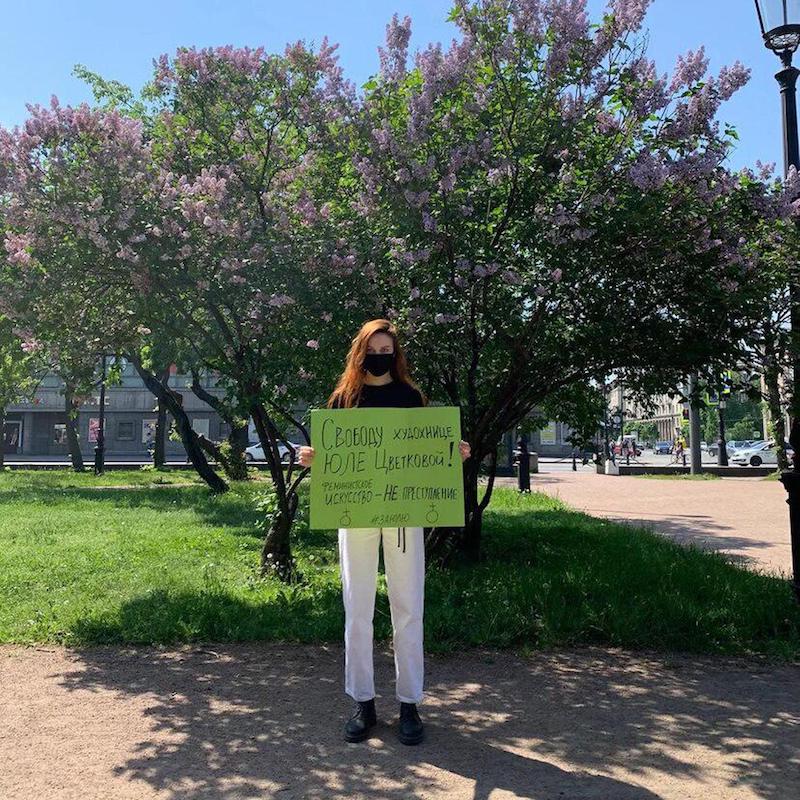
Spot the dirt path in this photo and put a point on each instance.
(745, 517)
(264, 720)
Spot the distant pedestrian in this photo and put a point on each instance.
(679, 447)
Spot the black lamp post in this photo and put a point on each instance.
(100, 446)
(780, 27)
(722, 444)
(522, 457)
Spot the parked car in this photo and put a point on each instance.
(662, 448)
(739, 444)
(759, 453)
(732, 446)
(256, 453)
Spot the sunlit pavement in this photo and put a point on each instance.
(265, 720)
(745, 517)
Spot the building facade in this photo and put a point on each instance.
(666, 415)
(38, 428)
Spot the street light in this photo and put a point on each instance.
(780, 27)
(722, 445)
(100, 445)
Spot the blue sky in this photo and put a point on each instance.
(41, 40)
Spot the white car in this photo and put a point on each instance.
(740, 444)
(256, 453)
(757, 454)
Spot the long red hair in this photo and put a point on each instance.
(348, 388)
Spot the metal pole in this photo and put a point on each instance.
(523, 464)
(99, 450)
(722, 454)
(606, 448)
(787, 80)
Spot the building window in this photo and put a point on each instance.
(149, 431)
(548, 434)
(125, 431)
(200, 426)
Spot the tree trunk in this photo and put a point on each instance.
(234, 462)
(473, 513)
(276, 555)
(2, 436)
(159, 446)
(777, 419)
(173, 403)
(444, 545)
(239, 440)
(71, 411)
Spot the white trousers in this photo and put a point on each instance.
(404, 562)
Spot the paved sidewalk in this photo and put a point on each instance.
(230, 722)
(745, 517)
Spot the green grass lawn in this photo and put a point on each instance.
(84, 561)
(61, 478)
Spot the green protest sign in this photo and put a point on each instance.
(386, 467)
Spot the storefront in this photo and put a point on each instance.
(12, 436)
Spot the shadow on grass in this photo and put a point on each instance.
(562, 579)
(169, 617)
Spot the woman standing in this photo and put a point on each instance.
(376, 375)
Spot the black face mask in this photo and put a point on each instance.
(378, 363)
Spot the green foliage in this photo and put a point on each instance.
(111, 94)
(580, 407)
(539, 263)
(741, 414)
(266, 506)
(744, 429)
(646, 431)
(20, 371)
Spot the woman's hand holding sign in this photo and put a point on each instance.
(305, 455)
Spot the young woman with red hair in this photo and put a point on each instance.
(376, 375)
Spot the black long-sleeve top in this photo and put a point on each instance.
(395, 394)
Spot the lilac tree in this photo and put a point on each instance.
(253, 236)
(552, 211)
(73, 218)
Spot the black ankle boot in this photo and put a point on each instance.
(364, 718)
(409, 727)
